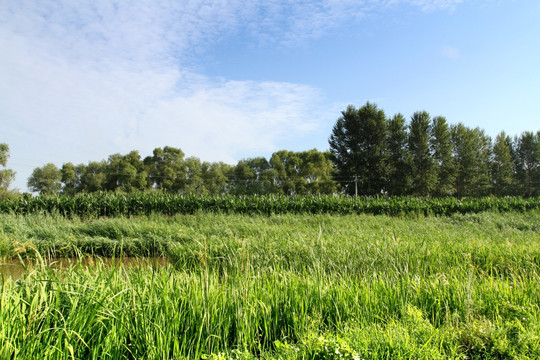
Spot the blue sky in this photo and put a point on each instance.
(229, 79)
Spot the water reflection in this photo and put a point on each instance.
(16, 268)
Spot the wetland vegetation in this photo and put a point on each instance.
(284, 286)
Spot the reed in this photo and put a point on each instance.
(281, 287)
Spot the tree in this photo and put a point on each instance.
(502, 166)
(528, 162)
(243, 179)
(287, 165)
(166, 169)
(253, 176)
(6, 175)
(194, 182)
(358, 143)
(45, 180)
(472, 151)
(125, 173)
(424, 175)
(317, 170)
(441, 148)
(399, 170)
(69, 178)
(92, 176)
(214, 176)
(305, 172)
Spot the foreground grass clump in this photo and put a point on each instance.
(278, 287)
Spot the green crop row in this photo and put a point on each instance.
(114, 204)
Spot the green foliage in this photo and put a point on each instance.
(369, 155)
(399, 167)
(215, 176)
(527, 160)
(431, 158)
(280, 287)
(503, 166)
(119, 204)
(358, 143)
(6, 175)
(472, 152)
(301, 173)
(4, 154)
(166, 169)
(125, 173)
(288, 172)
(253, 176)
(69, 179)
(92, 176)
(424, 176)
(45, 180)
(441, 148)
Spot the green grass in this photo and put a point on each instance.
(277, 287)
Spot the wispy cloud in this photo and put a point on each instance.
(84, 79)
(158, 30)
(432, 5)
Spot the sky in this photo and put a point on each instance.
(226, 80)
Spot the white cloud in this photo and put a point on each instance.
(60, 110)
(104, 31)
(84, 79)
(228, 119)
(432, 5)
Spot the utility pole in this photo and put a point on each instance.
(355, 185)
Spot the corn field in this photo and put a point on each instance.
(115, 204)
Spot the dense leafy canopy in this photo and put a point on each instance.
(45, 180)
(427, 157)
(287, 172)
(358, 143)
(370, 154)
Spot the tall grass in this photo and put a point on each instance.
(283, 287)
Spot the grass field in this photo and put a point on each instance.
(276, 287)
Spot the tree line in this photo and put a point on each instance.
(369, 154)
(168, 170)
(428, 157)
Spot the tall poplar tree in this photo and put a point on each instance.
(472, 150)
(502, 166)
(528, 162)
(358, 145)
(441, 148)
(424, 175)
(399, 170)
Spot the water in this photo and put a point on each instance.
(16, 268)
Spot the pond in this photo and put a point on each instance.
(16, 268)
